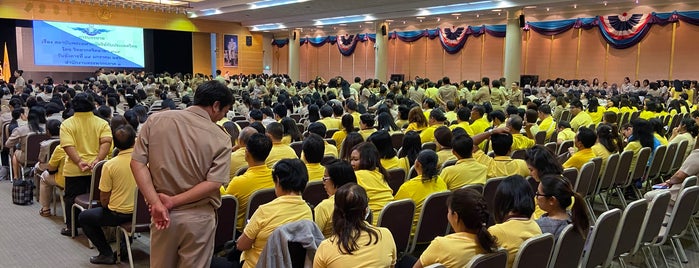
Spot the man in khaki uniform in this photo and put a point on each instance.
(180, 161)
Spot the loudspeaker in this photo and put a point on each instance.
(397, 77)
(521, 21)
(248, 40)
(383, 29)
(294, 36)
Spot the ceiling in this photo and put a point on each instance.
(355, 15)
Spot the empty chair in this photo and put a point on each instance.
(432, 222)
(314, 193)
(626, 234)
(666, 166)
(677, 225)
(534, 252)
(540, 137)
(397, 216)
(586, 181)
(568, 249)
(651, 224)
(396, 178)
(599, 244)
(258, 198)
(497, 259)
(226, 220)
(140, 223)
(622, 173)
(653, 171)
(519, 154)
(329, 133)
(571, 174)
(491, 186)
(477, 187)
(679, 156)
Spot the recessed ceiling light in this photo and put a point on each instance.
(319, 26)
(575, 5)
(497, 10)
(456, 14)
(420, 18)
(478, 15)
(368, 22)
(605, 3)
(547, 9)
(343, 24)
(530, 7)
(389, 20)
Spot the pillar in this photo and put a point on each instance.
(381, 55)
(294, 46)
(513, 48)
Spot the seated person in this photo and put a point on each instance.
(290, 179)
(468, 216)
(255, 178)
(584, 141)
(466, 170)
(313, 148)
(238, 154)
(425, 183)
(36, 123)
(513, 209)
(117, 195)
(462, 117)
(372, 176)
(355, 241)
(519, 141)
(443, 137)
(52, 178)
(554, 195)
(690, 167)
(435, 120)
(502, 164)
(320, 130)
(389, 159)
(337, 173)
(565, 133)
(279, 150)
(366, 125)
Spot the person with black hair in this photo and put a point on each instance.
(347, 127)
(425, 183)
(355, 241)
(554, 195)
(372, 176)
(479, 120)
(467, 215)
(483, 94)
(313, 148)
(382, 140)
(117, 194)
(463, 115)
(435, 120)
(584, 140)
(290, 178)
(512, 209)
(326, 113)
(291, 131)
(565, 133)
(502, 164)
(36, 123)
(366, 125)
(385, 122)
(687, 130)
(641, 136)
(337, 174)
(53, 178)
(580, 117)
(466, 170)
(447, 93)
(279, 150)
(410, 146)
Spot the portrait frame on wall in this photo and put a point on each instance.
(230, 50)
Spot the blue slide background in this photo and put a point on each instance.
(55, 47)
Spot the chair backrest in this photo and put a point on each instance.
(519, 154)
(635, 115)
(629, 229)
(296, 117)
(682, 211)
(396, 178)
(477, 187)
(608, 173)
(33, 145)
(258, 198)
(327, 159)
(241, 170)
(571, 174)
(5, 134)
(554, 137)
(669, 158)
(243, 123)
(598, 168)
(411, 173)
(565, 116)
(432, 222)
(585, 178)
(52, 147)
(535, 252)
(540, 137)
(689, 182)
(331, 141)
(640, 168)
(397, 140)
(552, 146)
(653, 221)
(314, 193)
(563, 148)
(496, 259)
(448, 163)
(489, 189)
(95, 182)
(679, 156)
(598, 246)
(330, 132)
(226, 220)
(568, 249)
(622, 170)
(397, 216)
(301, 127)
(656, 162)
(298, 147)
(141, 221)
(429, 145)
(624, 119)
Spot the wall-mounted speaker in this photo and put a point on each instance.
(294, 36)
(248, 40)
(383, 29)
(521, 21)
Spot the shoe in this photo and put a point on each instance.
(66, 232)
(45, 212)
(102, 259)
(124, 255)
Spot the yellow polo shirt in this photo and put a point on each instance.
(366, 133)
(83, 132)
(280, 151)
(661, 139)
(451, 116)
(381, 254)
(582, 119)
(395, 162)
(376, 188)
(502, 166)
(521, 142)
(356, 116)
(324, 215)
(58, 160)
(453, 250)
(444, 155)
(579, 158)
(465, 125)
(282, 210)
(614, 109)
(566, 135)
(414, 127)
(480, 125)
(315, 171)
(465, 171)
(237, 161)
(512, 233)
(417, 190)
(330, 150)
(427, 135)
(339, 137)
(255, 178)
(597, 116)
(547, 125)
(118, 179)
(331, 123)
(647, 115)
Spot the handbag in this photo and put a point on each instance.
(22, 192)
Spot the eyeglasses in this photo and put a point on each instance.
(326, 179)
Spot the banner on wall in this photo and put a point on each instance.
(230, 51)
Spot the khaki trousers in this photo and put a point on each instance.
(187, 242)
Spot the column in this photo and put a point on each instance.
(294, 46)
(381, 55)
(513, 48)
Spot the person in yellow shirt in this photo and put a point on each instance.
(347, 127)
(337, 173)
(580, 117)
(279, 150)
(462, 117)
(648, 111)
(519, 141)
(290, 179)
(238, 154)
(466, 170)
(479, 122)
(564, 132)
(117, 195)
(326, 112)
(372, 176)
(351, 108)
(425, 183)
(450, 114)
(389, 159)
(467, 216)
(502, 164)
(432, 91)
(291, 131)
(546, 120)
(584, 141)
(512, 210)
(659, 131)
(427, 105)
(416, 120)
(607, 143)
(497, 118)
(354, 241)
(313, 147)
(319, 129)
(436, 120)
(443, 137)
(595, 111)
(366, 125)
(255, 178)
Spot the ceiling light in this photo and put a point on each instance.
(464, 7)
(369, 22)
(343, 24)
(530, 7)
(420, 18)
(388, 20)
(344, 19)
(319, 26)
(456, 14)
(268, 26)
(575, 5)
(497, 10)
(605, 3)
(547, 9)
(403, 22)
(478, 15)
(273, 3)
(439, 19)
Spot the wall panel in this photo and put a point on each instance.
(686, 56)
(201, 53)
(494, 57)
(452, 66)
(418, 54)
(281, 59)
(622, 63)
(471, 59)
(564, 54)
(655, 54)
(403, 59)
(592, 53)
(538, 55)
(334, 61)
(304, 58)
(313, 54)
(370, 60)
(360, 58)
(434, 64)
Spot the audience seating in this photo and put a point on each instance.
(627, 231)
(651, 224)
(242, 123)
(397, 140)
(396, 178)
(568, 249)
(397, 216)
(258, 198)
(599, 244)
(677, 225)
(679, 156)
(476, 187)
(329, 133)
(621, 174)
(241, 170)
(298, 147)
(666, 167)
(519, 154)
(327, 159)
(314, 193)
(489, 189)
(563, 148)
(433, 221)
(540, 137)
(535, 252)
(225, 221)
(552, 147)
(636, 173)
(653, 172)
(448, 163)
(296, 117)
(31, 151)
(496, 259)
(301, 127)
(586, 181)
(88, 200)
(429, 145)
(571, 174)
(140, 223)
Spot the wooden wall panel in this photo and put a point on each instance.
(538, 51)
(686, 56)
(313, 62)
(655, 54)
(370, 60)
(452, 66)
(304, 58)
(201, 53)
(281, 60)
(359, 67)
(323, 62)
(622, 63)
(417, 57)
(564, 54)
(391, 58)
(334, 61)
(403, 59)
(346, 65)
(592, 51)
(434, 64)
(494, 57)
(471, 59)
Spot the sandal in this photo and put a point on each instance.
(45, 212)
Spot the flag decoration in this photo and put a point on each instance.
(453, 40)
(347, 44)
(5, 71)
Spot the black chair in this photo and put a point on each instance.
(519, 154)
(568, 249)
(314, 193)
(429, 145)
(432, 222)
(226, 221)
(298, 147)
(258, 198)
(89, 200)
(540, 137)
(140, 223)
(397, 140)
(396, 178)
(496, 259)
(243, 123)
(535, 252)
(398, 216)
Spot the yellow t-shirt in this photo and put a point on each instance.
(480, 125)
(414, 127)
(118, 179)
(282, 210)
(613, 109)
(547, 125)
(377, 190)
(418, 191)
(280, 151)
(465, 171)
(237, 161)
(465, 125)
(286, 139)
(330, 150)
(661, 139)
(395, 162)
(512, 233)
(255, 178)
(83, 132)
(444, 155)
(427, 135)
(324, 215)
(579, 158)
(453, 250)
(682, 137)
(521, 142)
(58, 160)
(339, 137)
(502, 166)
(636, 147)
(331, 123)
(647, 115)
(380, 254)
(582, 119)
(356, 116)
(451, 116)
(366, 133)
(566, 135)
(597, 116)
(315, 171)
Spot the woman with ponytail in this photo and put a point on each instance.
(372, 176)
(468, 215)
(425, 183)
(554, 196)
(355, 242)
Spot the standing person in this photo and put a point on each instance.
(182, 188)
(86, 139)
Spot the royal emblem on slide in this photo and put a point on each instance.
(91, 30)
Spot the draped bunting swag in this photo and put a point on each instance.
(620, 31)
